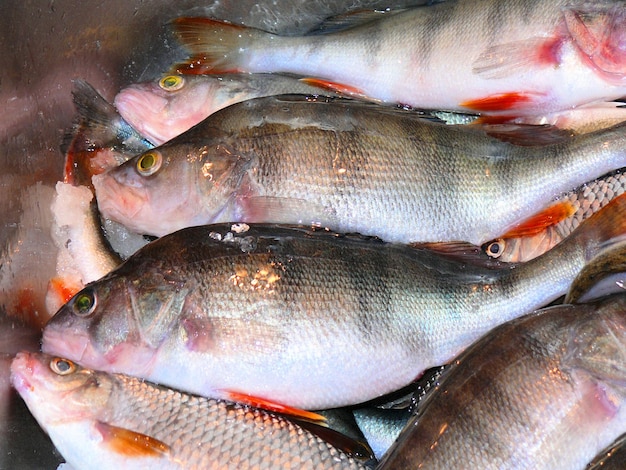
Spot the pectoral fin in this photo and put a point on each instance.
(539, 222)
(286, 211)
(131, 443)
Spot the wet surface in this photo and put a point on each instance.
(46, 45)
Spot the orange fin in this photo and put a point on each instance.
(334, 87)
(537, 223)
(501, 102)
(62, 289)
(268, 405)
(131, 443)
(216, 47)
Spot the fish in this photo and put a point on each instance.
(165, 108)
(542, 391)
(540, 233)
(114, 421)
(304, 318)
(604, 274)
(612, 458)
(352, 167)
(515, 58)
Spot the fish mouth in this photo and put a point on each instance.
(117, 201)
(138, 107)
(74, 346)
(21, 369)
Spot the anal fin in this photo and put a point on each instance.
(269, 405)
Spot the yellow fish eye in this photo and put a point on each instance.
(62, 366)
(149, 163)
(172, 82)
(84, 303)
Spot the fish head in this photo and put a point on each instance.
(58, 390)
(115, 324)
(171, 187)
(599, 32)
(597, 345)
(167, 107)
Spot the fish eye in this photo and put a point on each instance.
(494, 248)
(149, 163)
(84, 303)
(172, 82)
(62, 366)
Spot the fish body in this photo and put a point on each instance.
(162, 109)
(519, 58)
(534, 238)
(303, 318)
(97, 420)
(542, 391)
(352, 167)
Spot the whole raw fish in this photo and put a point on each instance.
(307, 319)
(162, 109)
(494, 56)
(103, 421)
(543, 391)
(541, 232)
(352, 167)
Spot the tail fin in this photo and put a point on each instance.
(217, 47)
(97, 127)
(603, 229)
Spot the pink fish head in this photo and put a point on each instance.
(167, 107)
(600, 35)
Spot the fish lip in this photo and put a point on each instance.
(21, 366)
(134, 102)
(107, 186)
(53, 338)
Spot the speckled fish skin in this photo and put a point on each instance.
(546, 55)
(307, 319)
(162, 109)
(352, 167)
(191, 432)
(543, 391)
(585, 201)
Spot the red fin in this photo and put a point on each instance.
(537, 223)
(216, 46)
(334, 87)
(131, 443)
(62, 289)
(500, 102)
(265, 404)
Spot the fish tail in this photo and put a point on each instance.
(216, 47)
(603, 229)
